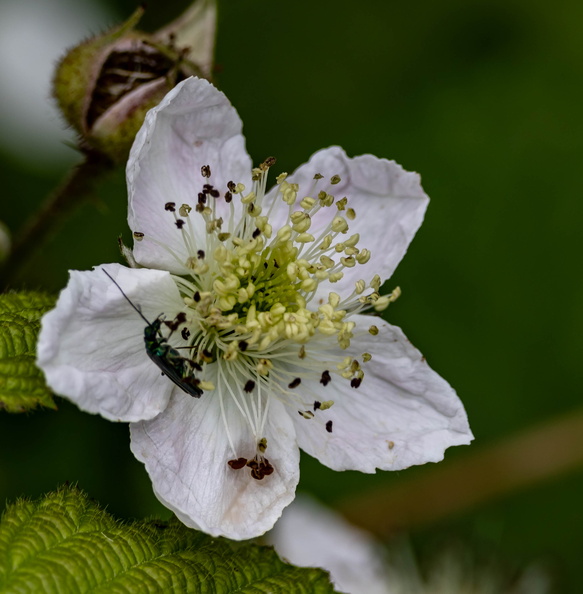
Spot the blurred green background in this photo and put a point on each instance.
(483, 98)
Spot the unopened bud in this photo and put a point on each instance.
(105, 86)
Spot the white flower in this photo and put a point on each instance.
(268, 290)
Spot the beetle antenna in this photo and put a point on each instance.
(127, 298)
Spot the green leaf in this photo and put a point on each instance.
(65, 543)
(22, 384)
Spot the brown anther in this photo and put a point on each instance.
(199, 207)
(228, 197)
(269, 162)
(185, 333)
(256, 233)
(201, 198)
(325, 379)
(200, 254)
(205, 171)
(238, 463)
(329, 426)
(179, 223)
(243, 344)
(170, 206)
(317, 404)
(215, 193)
(295, 383)
(138, 236)
(355, 382)
(196, 297)
(249, 386)
(231, 185)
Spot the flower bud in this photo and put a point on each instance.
(105, 85)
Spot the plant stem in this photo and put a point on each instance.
(74, 190)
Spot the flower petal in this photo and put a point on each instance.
(91, 346)
(311, 535)
(389, 203)
(194, 125)
(402, 414)
(186, 450)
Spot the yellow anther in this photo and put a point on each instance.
(249, 198)
(382, 303)
(363, 257)
(348, 262)
(352, 240)
(334, 299)
(280, 178)
(204, 385)
(373, 330)
(308, 284)
(335, 179)
(375, 283)
(396, 293)
(239, 188)
(184, 210)
(305, 238)
(351, 214)
(366, 357)
(327, 262)
(359, 286)
(326, 242)
(335, 277)
(284, 233)
(308, 203)
(341, 204)
(326, 404)
(339, 225)
(325, 199)
(351, 251)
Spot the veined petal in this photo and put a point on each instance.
(186, 450)
(389, 203)
(402, 414)
(194, 125)
(91, 346)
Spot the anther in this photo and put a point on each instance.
(200, 254)
(249, 386)
(231, 185)
(179, 223)
(196, 297)
(335, 179)
(170, 206)
(318, 176)
(138, 236)
(329, 426)
(307, 414)
(373, 330)
(214, 193)
(185, 333)
(256, 233)
(325, 379)
(228, 197)
(243, 344)
(295, 383)
(317, 404)
(238, 463)
(205, 171)
(355, 382)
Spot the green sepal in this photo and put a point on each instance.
(22, 384)
(65, 542)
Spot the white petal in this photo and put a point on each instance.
(402, 414)
(194, 125)
(311, 535)
(91, 346)
(186, 450)
(389, 203)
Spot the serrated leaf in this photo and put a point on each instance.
(22, 384)
(64, 542)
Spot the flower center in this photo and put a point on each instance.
(257, 325)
